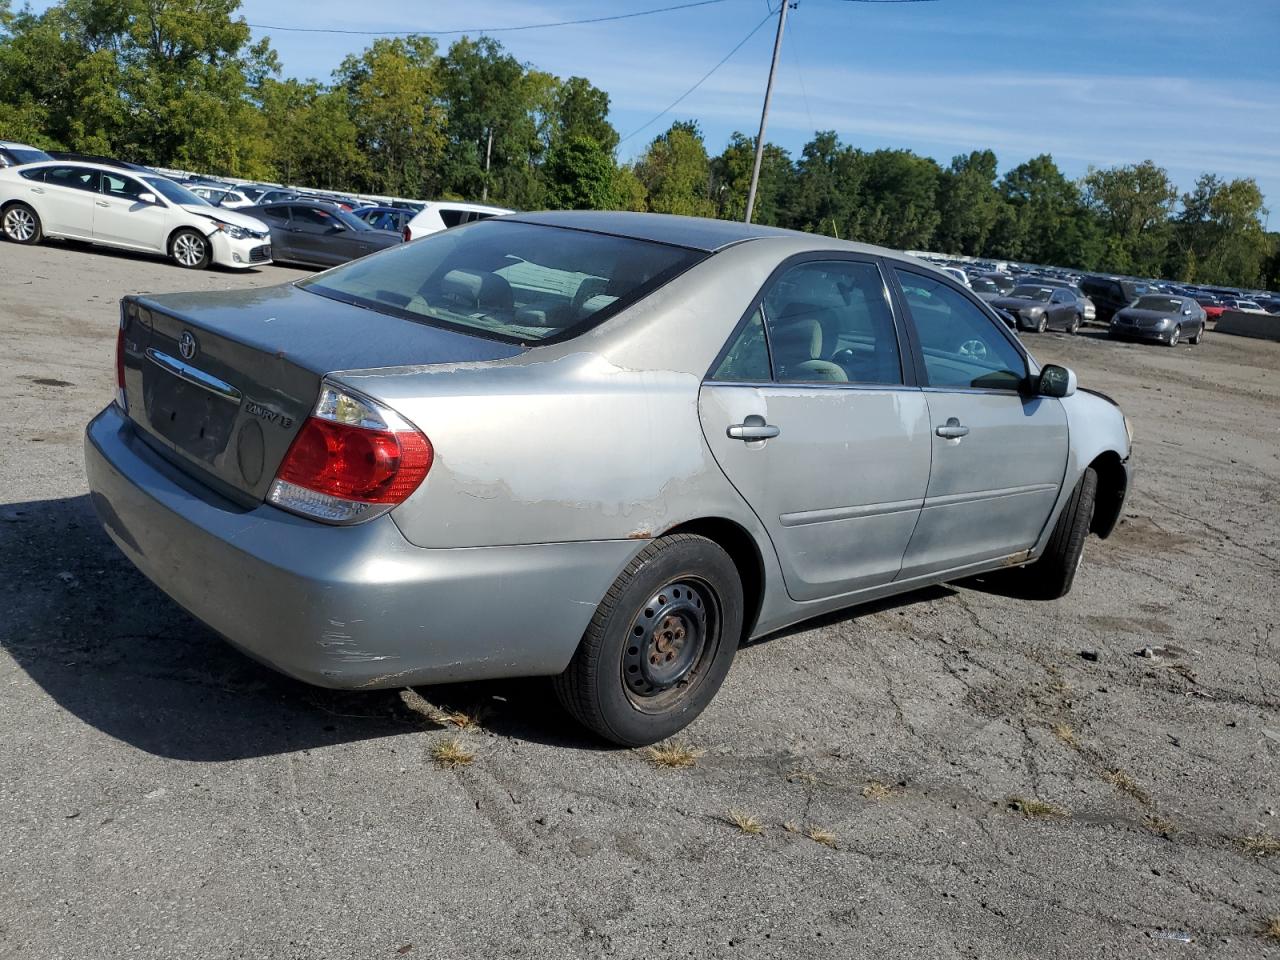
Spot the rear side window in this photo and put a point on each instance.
(451, 218)
(963, 348)
(512, 281)
(77, 178)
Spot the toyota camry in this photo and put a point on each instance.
(603, 447)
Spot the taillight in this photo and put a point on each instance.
(125, 314)
(352, 460)
(408, 234)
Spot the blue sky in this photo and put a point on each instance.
(1189, 84)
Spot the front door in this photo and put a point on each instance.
(124, 219)
(999, 455)
(318, 237)
(810, 416)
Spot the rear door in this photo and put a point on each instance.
(813, 418)
(998, 454)
(67, 201)
(124, 219)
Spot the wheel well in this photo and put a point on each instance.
(1110, 494)
(168, 243)
(745, 553)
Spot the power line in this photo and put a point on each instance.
(448, 33)
(701, 80)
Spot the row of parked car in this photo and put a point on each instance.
(199, 222)
(1035, 298)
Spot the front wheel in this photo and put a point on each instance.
(1175, 337)
(1074, 326)
(1043, 325)
(1199, 337)
(659, 645)
(1051, 576)
(190, 249)
(21, 224)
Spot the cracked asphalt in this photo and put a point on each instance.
(991, 791)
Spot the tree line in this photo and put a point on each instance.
(180, 83)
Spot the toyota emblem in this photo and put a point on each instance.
(187, 345)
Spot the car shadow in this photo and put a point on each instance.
(115, 652)
(930, 594)
(117, 253)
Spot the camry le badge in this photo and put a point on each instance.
(187, 345)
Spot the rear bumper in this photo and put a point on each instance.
(344, 606)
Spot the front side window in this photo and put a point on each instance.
(830, 320)
(122, 188)
(962, 346)
(505, 279)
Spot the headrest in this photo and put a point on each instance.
(798, 338)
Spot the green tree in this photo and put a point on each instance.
(1133, 204)
(731, 180)
(676, 172)
(1042, 224)
(1219, 235)
(899, 205)
(582, 110)
(581, 175)
(826, 189)
(969, 205)
(393, 88)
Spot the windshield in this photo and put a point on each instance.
(27, 155)
(512, 281)
(171, 191)
(982, 285)
(1159, 304)
(1041, 294)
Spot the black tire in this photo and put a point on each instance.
(190, 249)
(1176, 336)
(1199, 337)
(21, 224)
(1043, 325)
(1051, 576)
(605, 688)
(1074, 327)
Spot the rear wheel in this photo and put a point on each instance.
(21, 224)
(1175, 337)
(190, 249)
(1051, 576)
(1074, 326)
(659, 645)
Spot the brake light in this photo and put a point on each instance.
(121, 399)
(408, 234)
(352, 460)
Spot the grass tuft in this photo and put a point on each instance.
(1158, 824)
(791, 826)
(1068, 736)
(1271, 929)
(674, 754)
(1262, 845)
(1032, 807)
(744, 822)
(1122, 781)
(451, 753)
(875, 790)
(822, 836)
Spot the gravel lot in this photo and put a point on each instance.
(163, 796)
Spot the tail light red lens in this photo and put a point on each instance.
(355, 463)
(121, 398)
(408, 234)
(353, 459)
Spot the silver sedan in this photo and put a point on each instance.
(605, 447)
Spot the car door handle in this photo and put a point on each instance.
(951, 430)
(101, 203)
(753, 428)
(37, 189)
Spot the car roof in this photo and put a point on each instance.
(15, 143)
(104, 167)
(698, 233)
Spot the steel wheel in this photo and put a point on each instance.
(668, 642)
(21, 225)
(190, 250)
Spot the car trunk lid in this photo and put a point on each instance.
(220, 383)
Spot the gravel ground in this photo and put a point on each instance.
(988, 790)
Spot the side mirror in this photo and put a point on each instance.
(337, 226)
(146, 198)
(1056, 381)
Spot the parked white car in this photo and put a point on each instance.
(956, 274)
(437, 216)
(220, 197)
(117, 208)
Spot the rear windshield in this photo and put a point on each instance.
(508, 280)
(1032, 293)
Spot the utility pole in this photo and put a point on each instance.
(488, 152)
(764, 113)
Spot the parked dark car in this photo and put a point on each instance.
(986, 288)
(276, 195)
(12, 154)
(317, 234)
(1039, 307)
(1161, 318)
(385, 218)
(1270, 304)
(1110, 294)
